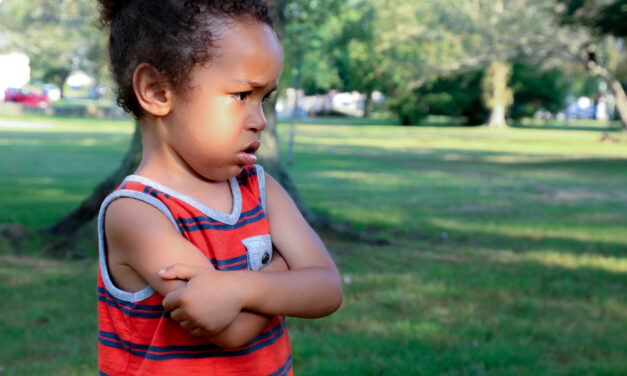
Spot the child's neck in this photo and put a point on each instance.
(163, 165)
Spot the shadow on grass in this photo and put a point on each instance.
(515, 318)
(571, 127)
(472, 318)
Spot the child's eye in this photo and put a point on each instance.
(241, 96)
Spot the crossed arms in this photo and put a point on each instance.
(303, 281)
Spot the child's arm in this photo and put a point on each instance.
(310, 289)
(141, 241)
(246, 325)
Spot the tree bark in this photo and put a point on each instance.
(497, 117)
(615, 85)
(88, 209)
(293, 120)
(367, 104)
(497, 94)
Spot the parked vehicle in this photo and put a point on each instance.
(582, 108)
(26, 98)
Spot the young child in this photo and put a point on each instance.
(198, 223)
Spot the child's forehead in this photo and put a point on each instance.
(245, 43)
(239, 39)
(247, 54)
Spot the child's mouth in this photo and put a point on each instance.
(248, 155)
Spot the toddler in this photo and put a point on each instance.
(201, 252)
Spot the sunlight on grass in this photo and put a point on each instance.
(380, 142)
(37, 123)
(23, 142)
(536, 231)
(564, 260)
(366, 179)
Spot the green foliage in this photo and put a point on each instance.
(306, 33)
(602, 16)
(536, 88)
(455, 96)
(329, 45)
(496, 84)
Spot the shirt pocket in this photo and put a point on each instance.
(258, 251)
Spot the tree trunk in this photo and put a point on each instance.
(293, 120)
(88, 209)
(496, 93)
(497, 116)
(615, 85)
(367, 104)
(621, 101)
(61, 84)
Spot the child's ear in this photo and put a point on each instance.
(151, 90)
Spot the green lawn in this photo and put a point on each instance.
(507, 250)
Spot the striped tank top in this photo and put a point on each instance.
(135, 335)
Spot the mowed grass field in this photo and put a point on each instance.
(506, 254)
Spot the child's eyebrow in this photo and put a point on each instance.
(256, 84)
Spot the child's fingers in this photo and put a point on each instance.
(186, 324)
(177, 315)
(180, 271)
(171, 302)
(198, 332)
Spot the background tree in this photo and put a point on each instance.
(427, 40)
(304, 32)
(605, 19)
(59, 37)
(537, 86)
(352, 49)
(458, 37)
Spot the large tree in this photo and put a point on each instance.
(58, 36)
(444, 39)
(430, 39)
(605, 19)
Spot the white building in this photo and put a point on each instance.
(14, 71)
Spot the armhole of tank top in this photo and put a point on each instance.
(126, 296)
(261, 180)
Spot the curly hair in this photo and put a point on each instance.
(173, 36)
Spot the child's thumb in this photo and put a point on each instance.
(179, 271)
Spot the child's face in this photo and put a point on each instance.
(215, 127)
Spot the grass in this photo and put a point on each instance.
(507, 251)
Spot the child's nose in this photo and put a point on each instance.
(257, 122)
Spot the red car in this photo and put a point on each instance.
(26, 98)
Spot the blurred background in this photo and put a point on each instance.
(465, 162)
(479, 62)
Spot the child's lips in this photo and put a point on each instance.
(247, 155)
(247, 158)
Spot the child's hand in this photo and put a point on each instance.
(207, 304)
